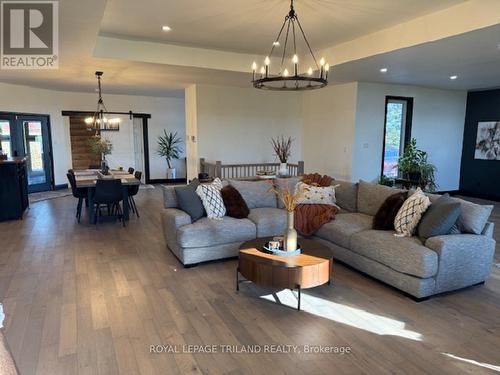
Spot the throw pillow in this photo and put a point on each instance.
(188, 201)
(410, 213)
(384, 218)
(212, 199)
(473, 217)
(234, 202)
(256, 193)
(439, 218)
(316, 194)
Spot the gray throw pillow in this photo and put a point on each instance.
(473, 217)
(189, 201)
(439, 218)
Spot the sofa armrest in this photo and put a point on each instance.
(489, 229)
(464, 259)
(172, 219)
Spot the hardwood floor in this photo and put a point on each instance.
(81, 299)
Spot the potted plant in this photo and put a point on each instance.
(386, 181)
(101, 147)
(169, 147)
(282, 149)
(413, 166)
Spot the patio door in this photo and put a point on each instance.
(29, 136)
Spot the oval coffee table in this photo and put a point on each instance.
(313, 267)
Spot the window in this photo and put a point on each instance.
(397, 132)
(5, 137)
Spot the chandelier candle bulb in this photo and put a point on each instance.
(327, 68)
(254, 68)
(310, 71)
(285, 73)
(267, 61)
(295, 65)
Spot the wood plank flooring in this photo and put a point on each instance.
(81, 299)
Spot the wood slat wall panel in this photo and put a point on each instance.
(81, 155)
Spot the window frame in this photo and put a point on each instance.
(408, 124)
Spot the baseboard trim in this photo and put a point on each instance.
(167, 181)
(60, 187)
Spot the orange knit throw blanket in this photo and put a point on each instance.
(308, 218)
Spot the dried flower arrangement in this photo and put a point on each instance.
(282, 147)
(289, 198)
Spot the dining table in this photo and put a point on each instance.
(87, 179)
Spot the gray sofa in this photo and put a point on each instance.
(421, 269)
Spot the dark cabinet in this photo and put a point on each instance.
(13, 189)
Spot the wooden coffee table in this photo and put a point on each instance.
(313, 267)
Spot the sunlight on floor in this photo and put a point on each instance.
(351, 316)
(471, 361)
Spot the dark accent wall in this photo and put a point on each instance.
(480, 178)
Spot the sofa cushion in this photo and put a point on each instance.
(384, 218)
(212, 199)
(315, 194)
(473, 217)
(402, 254)
(347, 195)
(371, 196)
(235, 204)
(410, 213)
(282, 184)
(439, 218)
(256, 193)
(189, 201)
(206, 232)
(269, 221)
(340, 230)
(169, 197)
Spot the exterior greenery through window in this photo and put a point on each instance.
(397, 131)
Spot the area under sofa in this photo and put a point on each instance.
(421, 269)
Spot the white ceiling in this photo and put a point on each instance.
(252, 25)
(473, 56)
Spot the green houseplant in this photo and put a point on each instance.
(169, 147)
(101, 147)
(414, 166)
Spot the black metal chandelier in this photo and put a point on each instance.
(99, 122)
(286, 80)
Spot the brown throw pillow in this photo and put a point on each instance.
(235, 204)
(384, 218)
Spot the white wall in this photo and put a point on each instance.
(438, 126)
(329, 121)
(166, 113)
(235, 124)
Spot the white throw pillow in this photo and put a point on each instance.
(211, 198)
(316, 194)
(410, 213)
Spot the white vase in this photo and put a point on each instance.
(283, 171)
(290, 234)
(171, 173)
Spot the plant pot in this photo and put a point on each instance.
(290, 234)
(171, 173)
(283, 171)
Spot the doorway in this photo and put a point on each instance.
(28, 135)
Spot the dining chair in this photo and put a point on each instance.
(78, 193)
(130, 170)
(132, 191)
(110, 194)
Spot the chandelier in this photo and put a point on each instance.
(99, 122)
(285, 80)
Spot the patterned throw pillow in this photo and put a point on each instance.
(316, 194)
(410, 213)
(212, 199)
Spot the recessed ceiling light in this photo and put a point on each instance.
(383, 70)
(453, 77)
(166, 28)
(277, 43)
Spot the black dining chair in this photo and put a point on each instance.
(110, 194)
(132, 191)
(78, 193)
(131, 170)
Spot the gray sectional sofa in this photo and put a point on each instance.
(421, 269)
